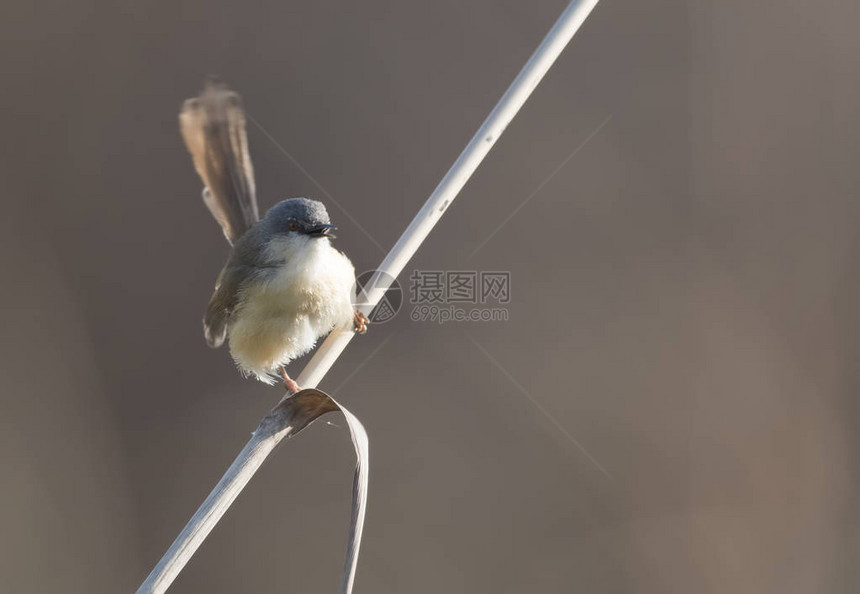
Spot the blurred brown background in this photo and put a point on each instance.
(684, 297)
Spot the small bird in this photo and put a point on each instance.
(284, 285)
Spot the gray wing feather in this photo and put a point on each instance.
(241, 268)
(213, 127)
(221, 305)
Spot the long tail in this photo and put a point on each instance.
(213, 127)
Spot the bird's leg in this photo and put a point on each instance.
(289, 383)
(359, 322)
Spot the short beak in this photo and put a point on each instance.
(322, 231)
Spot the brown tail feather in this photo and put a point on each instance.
(213, 127)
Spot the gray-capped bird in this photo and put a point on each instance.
(284, 285)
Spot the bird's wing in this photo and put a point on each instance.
(213, 127)
(221, 305)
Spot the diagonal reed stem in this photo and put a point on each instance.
(278, 424)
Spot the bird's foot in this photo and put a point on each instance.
(359, 322)
(289, 383)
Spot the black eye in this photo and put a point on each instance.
(293, 226)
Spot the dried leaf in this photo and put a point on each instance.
(287, 419)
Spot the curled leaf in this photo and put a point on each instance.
(287, 419)
(300, 410)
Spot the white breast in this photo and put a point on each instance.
(304, 299)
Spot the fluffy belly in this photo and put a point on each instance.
(283, 318)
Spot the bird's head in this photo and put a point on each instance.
(299, 217)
